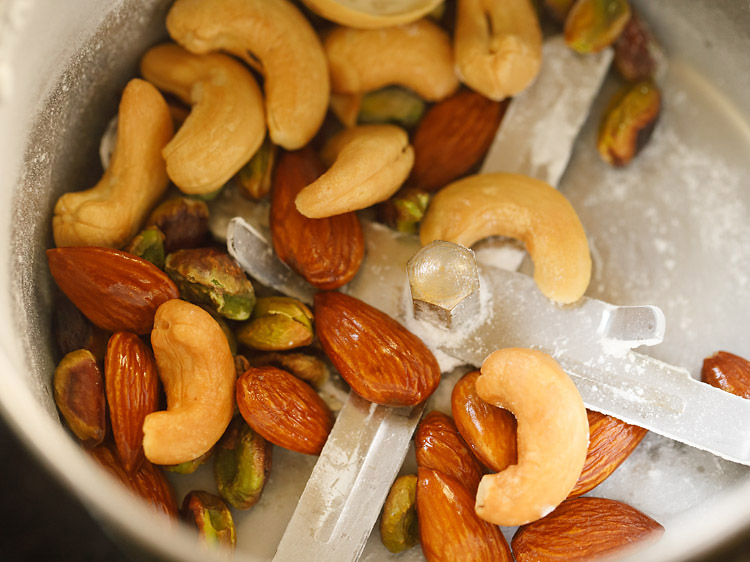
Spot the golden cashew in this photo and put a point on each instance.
(521, 207)
(498, 46)
(367, 165)
(552, 435)
(197, 370)
(110, 213)
(366, 15)
(226, 124)
(417, 55)
(276, 39)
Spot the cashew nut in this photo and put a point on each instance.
(277, 40)
(197, 370)
(498, 46)
(111, 212)
(417, 55)
(226, 124)
(372, 15)
(521, 207)
(367, 165)
(553, 436)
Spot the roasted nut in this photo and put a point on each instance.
(196, 368)
(72, 330)
(210, 276)
(391, 105)
(277, 323)
(346, 108)
(93, 279)
(398, 521)
(148, 244)
(371, 16)
(111, 212)
(132, 393)
(309, 368)
(498, 46)
(583, 529)
(404, 211)
(380, 359)
(558, 9)
(226, 124)
(188, 467)
(284, 410)
(79, 395)
(242, 465)
(211, 517)
(254, 179)
(277, 40)
(326, 252)
(184, 222)
(521, 207)
(628, 122)
(367, 165)
(728, 372)
(638, 56)
(417, 55)
(593, 25)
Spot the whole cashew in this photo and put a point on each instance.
(367, 165)
(111, 212)
(521, 207)
(226, 124)
(275, 38)
(197, 370)
(498, 46)
(417, 55)
(553, 436)
(372, 15)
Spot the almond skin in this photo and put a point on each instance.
(380, 359)
(583, 529)
(284, 410)
(117, 291)
(132, 383)
(610, 442)
(439, 447)
(449, 529)
(327, 252)
(489, 431)
(452, 137)
(728, 372)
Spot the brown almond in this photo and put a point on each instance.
(610, 442)
(284, 410)
(132, 393)
(489, 431)
(117, 291)
(439, 447)
(583, 529)
(380, 359)
(327, 252)
(449, 528)
(728, 372)
(452, 137)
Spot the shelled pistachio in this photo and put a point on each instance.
(277, 323)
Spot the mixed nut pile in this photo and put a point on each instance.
(169, 357)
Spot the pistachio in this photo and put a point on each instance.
(278, 323)
(149, 245)
(558, 9)
(629, 122)
(242, 464)
(404, 211)
(593, 25)
(183, 221)
(637, 54)
(255, 176)
(79, 394)
(210, 276)
(211, 516)
(188, 467)
(304, 366)
(391, 105)
(398, 522)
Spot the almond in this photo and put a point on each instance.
(610, 442)
(132, 383)
(728, 372)
(583, 529)
(327, 252)
(117, 291)
(488, 430)
(452, 137)
(449, 529)
(284, 410)
(439, 447)
(380, 359)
